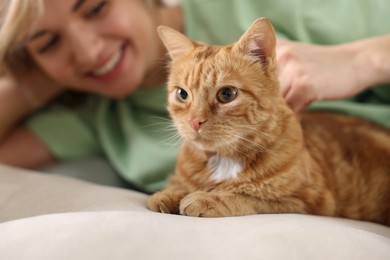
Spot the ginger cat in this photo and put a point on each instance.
(244, 151)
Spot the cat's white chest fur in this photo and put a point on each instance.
(224, 168)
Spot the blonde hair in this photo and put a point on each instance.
(16, 17)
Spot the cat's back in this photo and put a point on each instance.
(354, 156)
(345, 131)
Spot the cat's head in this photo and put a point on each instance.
(223, 97)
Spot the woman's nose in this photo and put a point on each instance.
(85, 45)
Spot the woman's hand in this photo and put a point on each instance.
(38, 89)
(310, 72)
(19, 97)
(313, 72)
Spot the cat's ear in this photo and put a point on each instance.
(258, 41)
(176, 43)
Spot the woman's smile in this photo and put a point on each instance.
(112, 67)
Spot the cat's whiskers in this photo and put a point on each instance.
(225, 144)
(248, 143)
(173, 141)
(254, 129)
(178, 141)
(162, 120)
(173, 138)
(163, 128)
(159, 120)
(262, 133)
(252, 145)
(230, 145)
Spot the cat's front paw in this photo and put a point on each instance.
(164, 202)
(203, 204)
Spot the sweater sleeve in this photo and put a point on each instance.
(65, 132)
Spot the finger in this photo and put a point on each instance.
(297, 100)
(285, 77)
(280, 42)
(284, 86)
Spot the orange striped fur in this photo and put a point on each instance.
(244, 151)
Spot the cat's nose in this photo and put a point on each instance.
(197, 123)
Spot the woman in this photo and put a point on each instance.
(110, 50)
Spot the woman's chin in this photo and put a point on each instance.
(119, 91)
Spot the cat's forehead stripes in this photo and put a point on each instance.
(199, 68)
(202, 76)
(195, 75)
(205, 52)
(203, 71)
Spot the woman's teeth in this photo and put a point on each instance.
(110, 65)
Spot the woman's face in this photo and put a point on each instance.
(97, 46)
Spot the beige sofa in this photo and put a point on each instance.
(44, 216)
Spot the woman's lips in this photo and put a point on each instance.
(111, 68)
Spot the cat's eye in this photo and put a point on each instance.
(227, 94)
(181, 95)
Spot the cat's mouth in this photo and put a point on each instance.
(208, 143)
(201, 139)
(207, 139)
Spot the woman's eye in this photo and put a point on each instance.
(49, 44)
(181, 95)
(227, 94)
(97, 9)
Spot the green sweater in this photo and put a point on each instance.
(132, 132)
